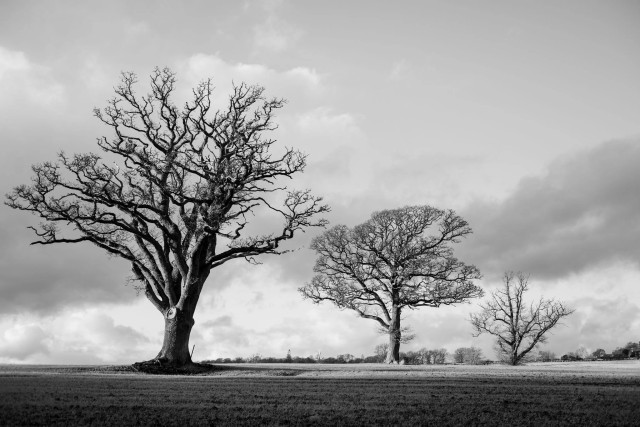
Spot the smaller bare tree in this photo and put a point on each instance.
(517, 326)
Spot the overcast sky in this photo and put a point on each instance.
(522, 116)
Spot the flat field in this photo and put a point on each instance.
(598, 393)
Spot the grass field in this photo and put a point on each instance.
(545, 394)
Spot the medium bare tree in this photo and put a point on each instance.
(390, 263)
(174, 193)
(517, 326)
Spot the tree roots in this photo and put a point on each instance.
(162, 367)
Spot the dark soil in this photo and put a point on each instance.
(156, 368)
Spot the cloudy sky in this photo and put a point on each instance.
(522, 116)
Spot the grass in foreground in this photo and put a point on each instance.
(50, 398)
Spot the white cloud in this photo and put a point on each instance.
(305, 75)
(23, 80)
(137, 29)
(338, 153)
(75, 336)
(607, 314)
(12, 61)
(323, 119)
(301, 84)
(274, 33)
(400, 70)
(278, 321)
(94, 74)
(21, 341)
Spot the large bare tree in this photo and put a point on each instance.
(174, 192)
(518, 326)
(390, 263)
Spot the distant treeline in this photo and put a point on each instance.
(630, 351)
(466, 355)
(424, 356)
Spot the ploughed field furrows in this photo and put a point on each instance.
(59, 399)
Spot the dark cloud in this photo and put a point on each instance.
(582, 213)
(45, 279)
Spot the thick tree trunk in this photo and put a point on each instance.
(175, 347)
(393, 352)
(515, 359)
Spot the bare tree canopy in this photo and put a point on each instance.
(390, 263)
(517, 325)
(174, 193)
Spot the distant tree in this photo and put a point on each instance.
(424, 356)
(307, 359)
(634, 349)
(174, 194)
(582, 352)
(472, 356)
(599, 354)
(346, 358)
(546, 356)
(381, 351)
(439, 356)
(288, 359)
(255, 358)
(621, 353)
(468, 355)
(371, 359)
(410, 358)
(517, 326)
(391, 263)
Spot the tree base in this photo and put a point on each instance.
(162, 367)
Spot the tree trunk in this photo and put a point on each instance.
(514, 359)
(175, 347)
(393, 352)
